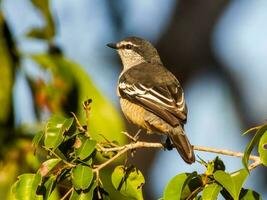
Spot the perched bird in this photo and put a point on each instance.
(150, 95)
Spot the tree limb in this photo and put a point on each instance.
(141, 144)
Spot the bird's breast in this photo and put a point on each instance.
(133, 112)
(143, 118)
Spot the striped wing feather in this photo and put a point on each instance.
(164, 98)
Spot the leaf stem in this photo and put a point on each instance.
(67, 194)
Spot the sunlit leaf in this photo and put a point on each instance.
(84, 147)
(249, 195)
(84, 195)
(48, 165)
(211, 191)
(26, 186)
(37, 138)
(193, 183)
(49, 186)
(262, 148)
(255, 140)
(231, 182)
(55, 128)
(129, 181)
(174, 188)
(82, 177)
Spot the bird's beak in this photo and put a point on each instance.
(112, 45)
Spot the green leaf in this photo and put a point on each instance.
(262, 148)
(174, 188)
(84, 147)
(82, 177)
(232, 183)
(249, 195)
(37, 138)
(81, 196)
(84, 195)
(211, 191)
(49, 186)
(54, 131)
(255, 140)
(26, 186)
(48, 165)
(192, 184)
(106, 119)
(129, 181)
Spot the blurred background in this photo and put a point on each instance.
(53, 56)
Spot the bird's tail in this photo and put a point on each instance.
(182, 144)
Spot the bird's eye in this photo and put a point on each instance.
(128, 46)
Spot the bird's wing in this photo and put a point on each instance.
(157, 90)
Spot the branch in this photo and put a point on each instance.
(140, 144)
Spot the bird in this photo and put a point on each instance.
(150, 96)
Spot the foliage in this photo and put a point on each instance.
(61, 92)
(73, 166)
(72, 153)
(71, 160)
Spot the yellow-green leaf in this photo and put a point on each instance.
(54, 131)
(231, 182)
(26, 186)
(174, 188)
(49, 186)
(84, 147)
(250, 195)
(82, 177)
(262, 148)
(84, 195)
(255, 140)
(48, 165)
(129, 181)
(211, 191)
(37, 138)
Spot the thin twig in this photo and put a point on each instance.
(254, 164)
(224, 152)
(87, 108)
(80, 127)
(99, 167)
(67, 194)
(57, 156)
(129, 136)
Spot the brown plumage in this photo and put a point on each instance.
(151, 96)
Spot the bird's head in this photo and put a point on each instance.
(134, 50)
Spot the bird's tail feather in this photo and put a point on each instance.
(182, 144)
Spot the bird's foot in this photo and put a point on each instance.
(168, 144)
